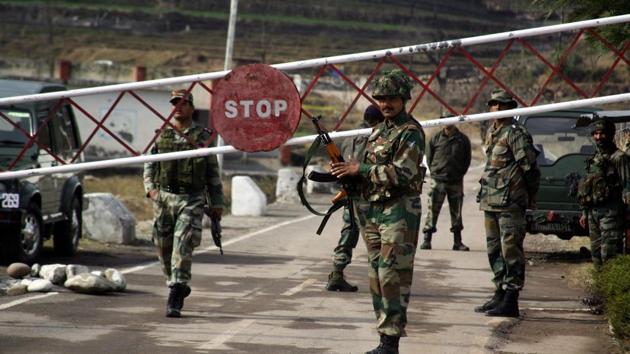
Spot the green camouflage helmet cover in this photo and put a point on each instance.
(502, 96)
(393, 83)
(603, 125)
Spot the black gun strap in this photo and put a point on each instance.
(300, 185)
(331, 210)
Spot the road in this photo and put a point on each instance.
(266, 295)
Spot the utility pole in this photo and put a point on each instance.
(227, 65)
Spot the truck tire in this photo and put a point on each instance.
(26, 242)
(67, 233)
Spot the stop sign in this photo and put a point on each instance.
(255, 108)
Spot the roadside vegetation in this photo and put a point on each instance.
(613, 284)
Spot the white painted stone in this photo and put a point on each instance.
(98, 273)
(117, 278)
(18, 270)
(247, 198)
(319, 187)
(35, 269)
(107, 219)
(56, 273)
(286, 185)
(17, 289)
(75, 269)
(89, 284)
(40, 285)
(26, 281)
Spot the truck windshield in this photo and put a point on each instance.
(9, 134)
(555, 137)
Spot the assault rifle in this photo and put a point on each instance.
(215, 227)
(347, 183)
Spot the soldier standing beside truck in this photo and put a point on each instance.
(509, 184)
(604, 194)
(177, 188)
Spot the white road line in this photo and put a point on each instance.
(297, 289)
(227, 243)
(226, 336)
(26, 299)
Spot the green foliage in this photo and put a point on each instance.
(591, 9)
(613, 283)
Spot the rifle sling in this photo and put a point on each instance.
(334, 207)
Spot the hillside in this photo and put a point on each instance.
(179, 37)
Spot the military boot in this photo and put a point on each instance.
(336, 282)
(508, 307)
(426, 244)
(492, 303)
(388, 345)
(175, 300)
(457, 242)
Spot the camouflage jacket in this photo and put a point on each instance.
(511, 176)
(607, 179)
(185, 170)
(392, 163)
(448, 157)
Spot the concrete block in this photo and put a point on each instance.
(286, 185)
(107, 219)
(247, 198)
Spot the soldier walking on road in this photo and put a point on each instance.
(509, 184)
(177, 189)
(604, 194)
(448, 157)
(393, 178)
(352, 149)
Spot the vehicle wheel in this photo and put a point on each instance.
(26, 244)
(68, 232)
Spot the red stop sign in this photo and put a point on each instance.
(255, 108)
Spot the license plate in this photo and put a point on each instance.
(553, 227)
(9, 200)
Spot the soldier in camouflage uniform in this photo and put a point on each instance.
(352, 149)
(508, 187)
(393, 176)
(448, 157)
(604, 194)
(178, 189)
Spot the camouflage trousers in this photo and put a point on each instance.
(391, 237)
(348, 240)
(505, 233)
(176, 232)
(606, 231)
(438, 191)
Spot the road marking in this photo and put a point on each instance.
(21, 301)
(226, 336)
(297, 289)
(227, 243)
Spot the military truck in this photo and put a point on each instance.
(35, 208)
(564, 144)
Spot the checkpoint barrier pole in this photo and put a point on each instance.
(135, 160)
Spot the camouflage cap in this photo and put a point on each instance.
(177, 95)
(501, 96)
(393, 83)
(603, 125)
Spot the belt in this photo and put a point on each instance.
(179, 190)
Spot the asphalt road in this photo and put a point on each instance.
(266, 295)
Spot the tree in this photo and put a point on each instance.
(590, 9)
